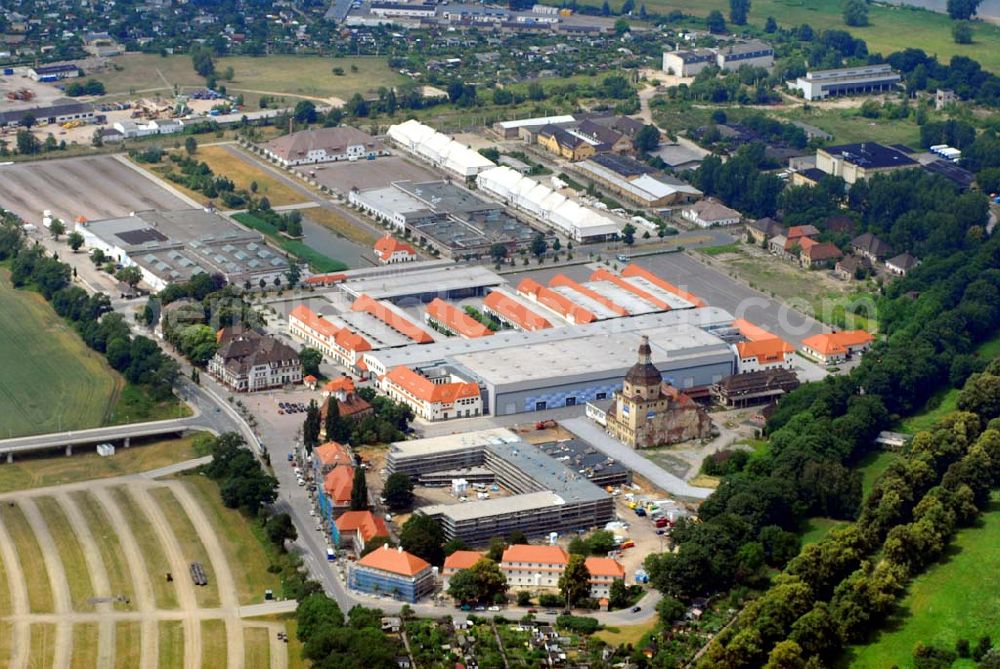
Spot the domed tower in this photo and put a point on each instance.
(644, 379)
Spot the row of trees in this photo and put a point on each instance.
(243, 483)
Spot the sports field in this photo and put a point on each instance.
(72, 554)
(957, 598)
(297, 77)
(51, 381)
(891, 28)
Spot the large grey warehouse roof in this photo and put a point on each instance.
(549, 473)
(707, 317)
(438, 279)
(487, 508)
(451, 442)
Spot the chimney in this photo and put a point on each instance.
(398, 548)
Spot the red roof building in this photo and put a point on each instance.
(392, 571)
(451, 318)
(358, 528)
(456, 562)
(602, 274)
(636, 270)
(836, 346)
(390, 251)
(394, 320)
(332, 341)
(508, 310)
(431, 400)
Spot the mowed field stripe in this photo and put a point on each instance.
(16, 583)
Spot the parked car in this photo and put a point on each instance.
(636, 609)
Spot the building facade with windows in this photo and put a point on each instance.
(440, 398)
(248, 361)
(392, 572)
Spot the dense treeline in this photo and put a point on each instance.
(962, 74)
(138, 358)
(331, 642)
(243, 483)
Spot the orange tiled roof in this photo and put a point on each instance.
(388, 245)
(563, 280)
(394, 561)
(341, 383)
(324, 279)
(397, 322)
(765, 350)
(456, 320)
(309, 378)
(603, 566)
(557, 302)
(601, 274)
(535, 554)
(751, 331)
(365, 522)
(314, 321)
(426, 390)
(337, 484)
(635, 270)
(515, 312)
(837, 342)
(332, 453)
(462, 560)
(805, 243)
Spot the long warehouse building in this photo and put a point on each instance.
(531, 371)
(547, 496)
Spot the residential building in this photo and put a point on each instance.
(433, 400)
(357, 528)
(604, 137)
(799, 231)
(836, 347)
(248, 361)
(329, 456)
(901, 264)
(102, 45)
(394, 572)
(778, 245)
(404, 9)
(751, 53)
(871, 247)
(820, 84)
(709, 213)
(351, 407)
(323, 145)
(390, 251)
(763, 229)
(334, 495)
(944, 97)
(647, 412)
(858, 162)
(767, 353)
(512, 129)
(603, 572)
(688, 63)
(819, 255)
(339, 387)
(449, 318)
(561, 142)
(456, 562)
(528, 567)
(336, 343)
(848, 267)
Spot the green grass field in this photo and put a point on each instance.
(156, 560)
(70, 553)
(43, 644)
(37, 472)
(816, 529)
(128, 649)
(51, 381)
(958, 597)
(29, 555)
(194, 551)
(296, 77)
(236, 534)
(891, 28)
(257, 651)
(213, 643)
(872, 466)
(847, 125)
(84, 655)
(106, 538)
(171, 645)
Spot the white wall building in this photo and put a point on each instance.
(438, 149)
(323, 145)
(821, 84)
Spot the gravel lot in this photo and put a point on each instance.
(367, 174)
(93, 187)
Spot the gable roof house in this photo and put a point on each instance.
(764, 229)
(708, 213)
(822, 254)
(437, 399)
(357, 528)
(847, 268)
(247, 361)
(901, 264)
(871, 247)
(322, 145)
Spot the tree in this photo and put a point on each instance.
(359, 491)
(482, 582)
(75, 241)
(56, 228)
(201, 59)
(962, 10)
(538, 245)
(961, 32)
(670, 610)
(621, 27)
(305, 112)
(716, 22)
(770, 26)
(605, 9)
(981, 395)
(310, 426)
(398, 491)
(294, 273)
(279, 529)
(628, 234)
(317, 612)
(335, 426)
(856, 13)
(422, 536)
(647, 139)
(498, 251)
(130, 275)
(738, 11)
(28, 120)
(190, 145)
(618, 594)
(574, 584)
(310, 359)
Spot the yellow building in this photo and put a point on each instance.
(563, 143)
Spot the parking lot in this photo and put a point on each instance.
(92, 187)
(365, 174)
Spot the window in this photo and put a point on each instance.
(539, 406)
(571, 401)
(602, 396)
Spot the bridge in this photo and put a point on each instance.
(116, 434)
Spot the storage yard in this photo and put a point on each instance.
(92, 187)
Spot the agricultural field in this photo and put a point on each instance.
(959, 597)
(891, 28)
(242, 171)
(293, 77)
(89, 549)
(61, 384)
